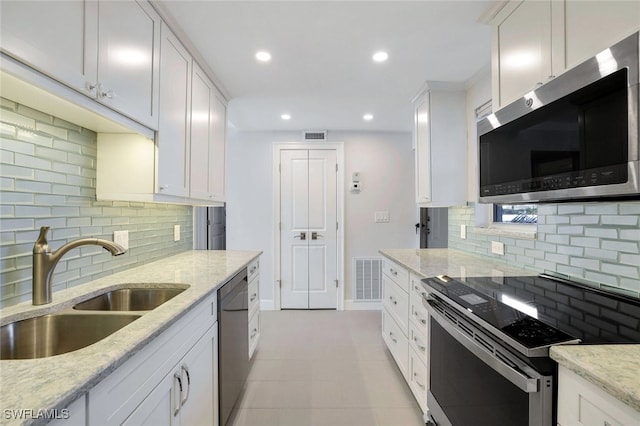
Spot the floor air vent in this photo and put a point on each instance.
(315, 135)
(368, 279)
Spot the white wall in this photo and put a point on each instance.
(385, 163)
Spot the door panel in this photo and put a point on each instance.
(308, 232)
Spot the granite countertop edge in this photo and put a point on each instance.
(593, 363)
(53, 383)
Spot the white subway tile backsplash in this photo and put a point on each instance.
(596, 242)
(48, 178)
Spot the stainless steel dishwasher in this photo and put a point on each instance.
(233, 364)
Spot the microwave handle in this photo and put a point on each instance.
(527, 384)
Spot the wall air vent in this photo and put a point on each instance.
(315, 135)
(367, 274)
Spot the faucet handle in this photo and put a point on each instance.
(41, 245)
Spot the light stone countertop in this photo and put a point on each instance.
(613, 368)
(433, 262)
(54, 382)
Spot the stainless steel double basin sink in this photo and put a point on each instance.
(85, 324)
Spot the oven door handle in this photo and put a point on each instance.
(525, 383)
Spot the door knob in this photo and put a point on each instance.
(302, 236)
(315, 235)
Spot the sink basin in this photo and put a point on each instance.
(56, 334)
(129, 299)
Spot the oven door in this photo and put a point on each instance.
(474, 380)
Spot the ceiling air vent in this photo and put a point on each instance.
(315, 135)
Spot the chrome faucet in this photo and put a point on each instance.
(44, 262)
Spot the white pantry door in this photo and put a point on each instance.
(308, 215)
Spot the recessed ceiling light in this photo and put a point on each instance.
(367, 117)
(380, 56)
(285, 117)
(263, 56)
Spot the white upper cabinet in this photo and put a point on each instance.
(107, 50)
(128, 53)
(537, 40)
(208, 128)
(59, 50)
(440, 140)
(172, 139)
(592, 26)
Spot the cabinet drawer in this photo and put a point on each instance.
(397, 303)
(397, 273)
(418, 314)
(416, 290)
(253, 270)
(254, 296)
(396, 342)
(418, 340)
(254, 332)
(418, 379)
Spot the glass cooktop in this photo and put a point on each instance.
(540, 311)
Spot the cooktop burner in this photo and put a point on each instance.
(542, 311)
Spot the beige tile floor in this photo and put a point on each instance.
(324, 368)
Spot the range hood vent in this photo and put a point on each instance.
(315, 135)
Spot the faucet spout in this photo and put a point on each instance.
(45, 261)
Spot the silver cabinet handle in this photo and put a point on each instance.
(252, 270)
(177, 377)
(253, 297)
(184, 368)
(422, 320)
(109, 94)
(391, 336)
(394, 273)
(395, 302)
(254, 332)
(422, 348)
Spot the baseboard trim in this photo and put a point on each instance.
(358, 305)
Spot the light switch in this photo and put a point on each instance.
(176, 232)
(381, 217)
(463, 231)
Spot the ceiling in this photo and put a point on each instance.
(321, 71)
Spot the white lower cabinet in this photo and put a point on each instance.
(172, 380)
(253, 271)
(186, 395)
(581, 403)
(405, 327)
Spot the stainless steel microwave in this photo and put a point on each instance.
(573, 138)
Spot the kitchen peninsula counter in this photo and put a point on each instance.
(53, 383)
(613, 368)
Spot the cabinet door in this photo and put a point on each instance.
(208, 125)
(197, 370)
(157, 409)
(422, 150)
(59, 38)
(128, 50)
(218, 148)
(523, 50)
(172, 139)
(591, 27)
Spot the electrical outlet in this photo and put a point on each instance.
(121, 238)
(463, 232)
(497, 248)
(176, 232)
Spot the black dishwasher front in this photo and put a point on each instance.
(233, 364)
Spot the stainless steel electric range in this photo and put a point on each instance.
(490, 338)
